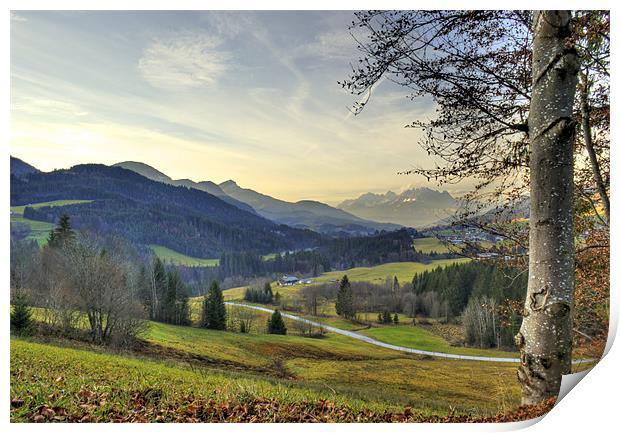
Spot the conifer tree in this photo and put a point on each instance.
(159, 288)
(395, 285)
(21, 316)
(268, 293)
(214, 309)
(181, 308)
(344, 300)
(62, 233)
(395, 319)
(275, 324)
(170, 298)
(387, 317)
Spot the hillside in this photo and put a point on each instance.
(175, 366)
(37, 230)
(207, 186)
(21, 168)
(305, 213)
(416, 207)
(188, 221)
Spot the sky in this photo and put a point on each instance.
(248, 96)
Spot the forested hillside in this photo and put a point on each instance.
(186, 220)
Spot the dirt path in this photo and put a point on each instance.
(386, 345)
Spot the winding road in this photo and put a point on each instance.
(386, 345)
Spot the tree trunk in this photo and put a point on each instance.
(545, 338)
(587, 139)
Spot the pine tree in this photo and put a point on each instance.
(214, 309)
(396, 294)
(344, 300)
(21, 316)
(387, 317)
(275, 324)
(170, 298)
(395, 318)
(62, 233)
(277, 298)
(159, 289)
(268, 293)
(181, 309)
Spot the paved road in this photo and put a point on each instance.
(386, 345)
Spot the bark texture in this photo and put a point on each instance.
(545, 337)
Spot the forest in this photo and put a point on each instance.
(143, 211)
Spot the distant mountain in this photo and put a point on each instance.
(310, 214)
(154, 174)
(417, 207)
(144, 170)
(21, 168)
(186, 220)
(304, 214)
(519, 209)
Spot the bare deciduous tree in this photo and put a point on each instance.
(102, 287)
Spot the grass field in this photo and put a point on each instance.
(226, 365)
(171, 256)
(428, 245)
(78, 384)
(377, 274)
(20, 209)
(39, 230)
(405, 334)
(434, 244)
(420, 338)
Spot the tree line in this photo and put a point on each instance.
(239, 268)
(79, 275)
(77, 278)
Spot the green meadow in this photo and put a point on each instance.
(39, 230)
(181, 361)
(168, 255)
(377, 274)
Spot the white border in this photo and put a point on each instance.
(591, 406)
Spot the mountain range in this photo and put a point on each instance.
(144, 211)
(305, 214)
(204, 219)
(207, 186)
(310, 214)
(416, 207)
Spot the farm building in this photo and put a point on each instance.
(288, 280)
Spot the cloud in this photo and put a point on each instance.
(336, 45)
(184, 62)
(47, 107)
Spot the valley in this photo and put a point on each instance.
(402, 349)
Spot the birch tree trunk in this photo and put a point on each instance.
(545, 338)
